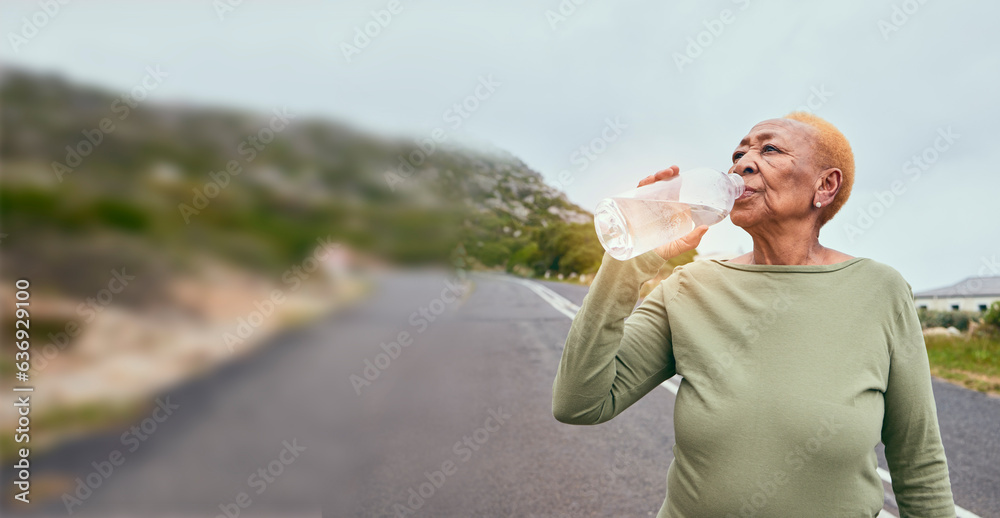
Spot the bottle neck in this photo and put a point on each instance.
(737, 186)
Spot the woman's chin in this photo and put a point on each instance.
(741, 217)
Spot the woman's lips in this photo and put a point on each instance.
(746, 193)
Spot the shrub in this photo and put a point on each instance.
(492, 254)
(527, 256)
(991, 320)
(957, 319)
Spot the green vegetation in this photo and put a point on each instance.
(971, 359)
(991, 320)
(314, 180)
(971, 362)
(84, 419)
(564, 248)
(958, 319)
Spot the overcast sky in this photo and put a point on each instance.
(681, 81)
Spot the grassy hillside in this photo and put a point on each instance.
(90, 183)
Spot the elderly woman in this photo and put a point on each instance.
(796, 358)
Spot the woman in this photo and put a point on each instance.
(796, 358)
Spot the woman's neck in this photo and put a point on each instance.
(788, 248)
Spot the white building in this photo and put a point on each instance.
(972, 294)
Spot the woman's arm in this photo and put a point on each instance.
(608, 363)
(910, 430)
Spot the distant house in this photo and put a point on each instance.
(972, 294)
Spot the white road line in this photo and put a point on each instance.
(566, 307)
(557, 301)
(963, 513)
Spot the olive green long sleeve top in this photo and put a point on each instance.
(791, 376)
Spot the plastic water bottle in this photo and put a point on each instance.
(637, 221)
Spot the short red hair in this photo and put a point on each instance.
(832, 150)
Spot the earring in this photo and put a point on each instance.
(818, 205)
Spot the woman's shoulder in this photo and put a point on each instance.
(883, 276)
(836, 256)
(880, 271)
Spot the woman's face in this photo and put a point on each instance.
(776, 162)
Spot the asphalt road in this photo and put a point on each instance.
(457, 423)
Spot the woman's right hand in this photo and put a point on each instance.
(683, 244)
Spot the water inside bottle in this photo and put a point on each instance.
(628, 227)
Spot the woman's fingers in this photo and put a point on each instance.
(687, 242)
(665, 174)
(669, 172)
(693, 238)
(683, 244)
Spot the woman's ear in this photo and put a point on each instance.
(828, 186)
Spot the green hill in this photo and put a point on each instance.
(91, 181)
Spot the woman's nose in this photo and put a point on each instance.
(744, 166)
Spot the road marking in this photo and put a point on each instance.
(566, 307)
(669, 385)
(557, 301)
(963, 513)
